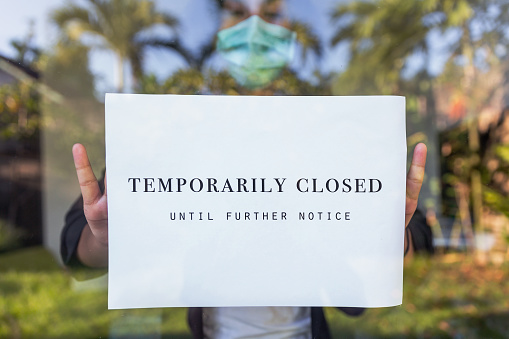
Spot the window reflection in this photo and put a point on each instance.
(449, 59)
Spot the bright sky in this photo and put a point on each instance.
(16, 16)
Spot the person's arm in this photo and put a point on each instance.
(74, 222)
(414, 181)
(91, 252)
(92, 249)
(420, 234)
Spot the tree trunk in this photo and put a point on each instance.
(469, 75)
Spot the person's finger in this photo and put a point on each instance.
(414, 180)
(88, 182)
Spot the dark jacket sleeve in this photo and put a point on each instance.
(75, 221)
(422, 237)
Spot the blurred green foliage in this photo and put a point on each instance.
(386, 37)
(19, 112)
(191, 81)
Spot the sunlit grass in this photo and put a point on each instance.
(442, 298)
(37, 300)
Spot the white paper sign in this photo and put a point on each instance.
(255, 201)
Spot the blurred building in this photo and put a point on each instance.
(20, 159)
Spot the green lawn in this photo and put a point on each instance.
(457, 299)
(37, 300)
(441, 299)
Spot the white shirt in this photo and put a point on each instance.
(257, 322)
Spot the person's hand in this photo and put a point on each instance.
(414, 180)
(93, 245)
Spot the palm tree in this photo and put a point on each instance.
(381, 35)
(26, 52)
(384, 34)
(307, 39)
(118, 24)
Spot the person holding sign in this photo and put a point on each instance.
(256, 42)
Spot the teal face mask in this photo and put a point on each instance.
(256, 51)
